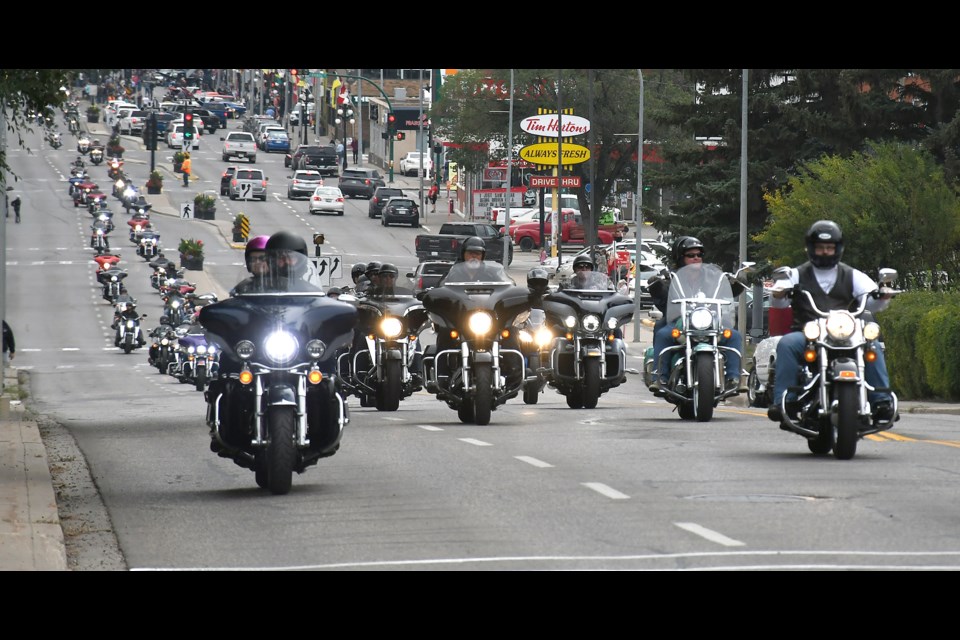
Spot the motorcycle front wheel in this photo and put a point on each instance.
(388, 393)
(704, 389)
(483, 396)
(848, 419)
(465, 412)
(201, 378)
(281, 454)
(591, 383)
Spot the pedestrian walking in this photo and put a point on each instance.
(355, 147)
(432, 196)
(16, 209)
(9, 345)
(185, 167)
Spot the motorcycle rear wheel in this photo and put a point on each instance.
(483, 397)
(848, 419)
(591, 383)
(281, 454)
(704, 389)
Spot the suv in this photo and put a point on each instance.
(322, 159)
(253, 177)
(226, 178)
(428, 274)
(303, 183)
(410, 164)
(360, 181)
(379, 199)
(401, 209)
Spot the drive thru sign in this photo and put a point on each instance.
(550, 182)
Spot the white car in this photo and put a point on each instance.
(327, 200)
(175, 136)
(410, 164)
(132, 121)
(110, 113)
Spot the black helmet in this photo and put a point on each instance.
(583, 259)
(357, 270)
(824, 231)
(334, 291)
(538, 279)
(287, 240)
(373, 268)
(473, 244)
(389, 269)
(681, 246)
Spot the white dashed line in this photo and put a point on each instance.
(533, 461)
(429, 427)
(603, 489)
(709, 534)
(479, 443)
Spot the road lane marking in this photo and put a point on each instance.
(603, 489)
(429, 427)
(709, 534)
(479, 443)
(534, 461)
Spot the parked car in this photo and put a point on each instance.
(401, 209)
(276, 141)
(360, 181)
(255, 178)
(428, 274)
(327, 200)
(410, 163)
(303, 183)
(379, 200)
(225, 178)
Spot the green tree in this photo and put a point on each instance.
(893, 202)
(26, 91)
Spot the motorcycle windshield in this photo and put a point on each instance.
(590, 281)
(278, 271)
(484, 271)
(701, 282)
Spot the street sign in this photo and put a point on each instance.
(550, 182)
(545, 153)
(186, 210)
(329, 268)
(245, 189)
(186, 145)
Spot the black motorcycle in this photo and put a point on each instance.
(476, 364)
(111, 281)
(588, 356)
(276, 406)
(384, 365)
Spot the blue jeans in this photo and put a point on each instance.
(662, 339)
(790, 353)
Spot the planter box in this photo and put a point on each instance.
(239, 237)
(154, 190)
(178, 167)
(93, 118)
(205, 214)
(191, 264)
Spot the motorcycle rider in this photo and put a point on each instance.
(833, 285)
(582, 265)
(357, 274)
(387, 277)
(687, 250)
(472, 254)
(372, 274)
(126, 309)
(255, 257)
(288, 264)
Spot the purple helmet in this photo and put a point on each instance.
(256, 243)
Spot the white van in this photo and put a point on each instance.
(567, 201)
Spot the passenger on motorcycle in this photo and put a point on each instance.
(255, 258)
(687, 250)
(833, 285)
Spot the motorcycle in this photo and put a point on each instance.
(114, 168)
(149, 245)
(111, 280)
(82, 192)
(276, 407)
(127, 324)
(588, 357)
(385, 367)
(54, 139)
(831, 387)
(161, 274)
(163, 339)
(139, 225)
(96, 155)
(83, 144)
(700, 304)
(475, 365)
(98, 237)
(198, 360)
(535, 340)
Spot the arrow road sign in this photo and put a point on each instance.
(329, 268)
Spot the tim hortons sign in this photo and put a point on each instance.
(549, 125)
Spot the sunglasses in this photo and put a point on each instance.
(582, 267)
(699, 254)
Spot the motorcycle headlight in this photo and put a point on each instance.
(701, 319)
(391, 327)
(316, 349)
(202, 349)
(191, 349)
(99, 232)
(840, 325)
(175, 304)
(130, 324)
(211, 349)
(612, 323)
(591, 322)
(480, 323)
(113, 278)
(570, 322)
(811, 330)
(164, 341)
(543, 337)
(525, 336)
(280, 346)
(244, 349)
(871, 331)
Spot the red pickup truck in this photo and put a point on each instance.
(527, 235)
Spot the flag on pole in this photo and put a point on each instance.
(344, 97)
(334, 91)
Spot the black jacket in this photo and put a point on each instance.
(8, 342)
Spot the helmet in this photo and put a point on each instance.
(537, 279)
(473, 243)
(334, 291)
(389, 269)
(824, 231)
(583, 259)
(357, 270)
(681, 246)
(286, 240)
(373, 268)
(256, 243)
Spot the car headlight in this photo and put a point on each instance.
(591, 322)
(840, 325)
(280, 346)
(480, 323)
(811, 330)
(244, 349)
(391, 327)
(701, 319)
(871, 331)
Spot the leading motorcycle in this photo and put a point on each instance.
(588, 357)
(832, 392)
(476, 364)
(276, 407)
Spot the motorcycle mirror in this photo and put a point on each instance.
(781, 273)
(888, 276)
(655, 313)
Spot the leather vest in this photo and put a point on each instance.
(840, 296)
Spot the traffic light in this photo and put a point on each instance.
(391, 126)
(150, 132)
(401, 135)
(187, 125)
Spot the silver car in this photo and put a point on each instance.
(327, 200)
(248, 184)
(303, 183)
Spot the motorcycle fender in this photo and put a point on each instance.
(392, 354)
(844, 370)
(592, 352)
(482, 356)
(280, 394)
(702, 346)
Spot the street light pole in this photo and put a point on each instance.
(638, 218)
